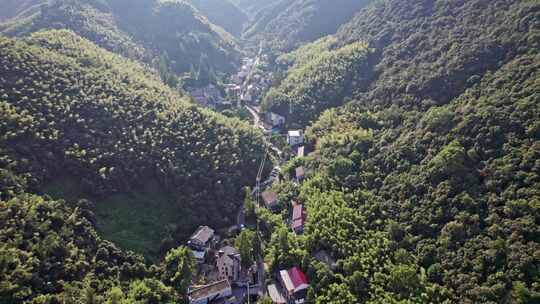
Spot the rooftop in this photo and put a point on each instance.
(301, 151)
(323, 257)
(269, 197)
(298, 212)
(203, 234)
(300, 172)
(297, 223)
(295, 133)
(275, 295)
(229, 250)
(298, 278)
(208, 290)
(199, 255)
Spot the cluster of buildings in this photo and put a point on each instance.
(226, 263)
(209, 96)
(253, 82)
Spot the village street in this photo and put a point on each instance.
(219, 261)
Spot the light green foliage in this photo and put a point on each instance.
(179, 268)
(337, 294)
(312, 86)
(246, 243)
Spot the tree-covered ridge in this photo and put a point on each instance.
(290, 23)
(51, 253)
(320, 78)
(450, 194)
(167, 33)
(285, 25)
(432, 50)
(73, 110)
(19, 8)
(222, 13)
(425, 52)
(252, 7)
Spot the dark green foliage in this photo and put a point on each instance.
(73, 111)
(222, 13)
(424, 185)
(252, 7)
(147, 30)
(19, 8)
(459, 195)
(49, 248)
(285, 24)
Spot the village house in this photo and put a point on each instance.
(295, 138)
(208, 96)
(202, 239)
(210, 293)
(298, 219)
(301, 151)
(295, 284)
(246, 97)
(233, 90)
(228, 264)
(270, 200)
(275, 295)
(274, 120)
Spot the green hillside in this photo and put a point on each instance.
(252, 7)
(423, 185)
(222, 13)
(80, 122)
(170, 35)
(410, 66)
(286, 24)
(19, 8)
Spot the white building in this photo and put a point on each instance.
(228, 264)
(246, 97)
(295, 138)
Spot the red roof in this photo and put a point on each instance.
(269, 197)
(298, 212)
(299, 223)
(298, 278)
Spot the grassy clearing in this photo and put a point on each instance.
(136, 221)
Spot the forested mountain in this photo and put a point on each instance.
(424, 184)
(286, 24)
(420, 54)
(80, 122)
(170, 35)
(222, 13)
(19, 8)
(252, 7)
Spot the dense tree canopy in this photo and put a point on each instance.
(72, 111)
(423, 186)
(286, 24)
(170, 33)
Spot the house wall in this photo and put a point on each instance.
(228, 268)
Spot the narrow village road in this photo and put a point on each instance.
(255, 115)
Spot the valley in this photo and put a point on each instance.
(284, 151)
